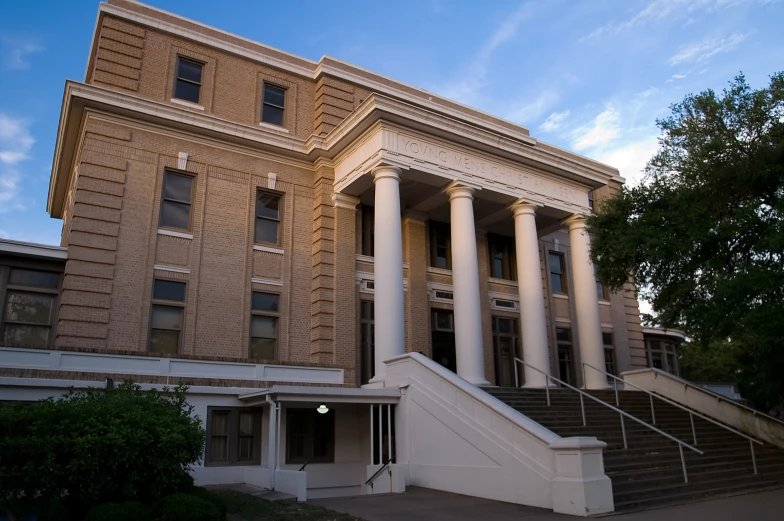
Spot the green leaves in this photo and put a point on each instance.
(703, 235)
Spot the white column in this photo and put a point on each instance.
(388, 269)
(529, 282)
(469, 347)
(586, 303)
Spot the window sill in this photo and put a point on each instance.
(561, 295)
(439, 271)
(270, 126)
(603, 302)
(181, 235)
(270, 249)
(186, 104)
(268, 282)
(502, 282)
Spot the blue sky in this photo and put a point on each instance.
(590, 76)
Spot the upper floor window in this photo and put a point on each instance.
(29, 308)
(264, 325)
(590, 200)
(187, 84)
(166, 316)
(440, 245)
(176, 201)
(609, 353)
(602, 293)
(557, 273)
(368, 215)
(273, 104)
(267, 217)
(502, 257)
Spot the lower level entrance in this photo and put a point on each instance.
(505, 347)
(443, 337)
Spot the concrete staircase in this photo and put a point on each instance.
(649, 473)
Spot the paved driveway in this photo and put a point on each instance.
(421, 504)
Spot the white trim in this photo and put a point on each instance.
(182, 160)
(171, 268)
(603, 302)
(186, 104)
(181, 235)
(561, 296)
(259, 247)
(661, 331)
(33, 249)
(272, 180)
(364, 286)
(566, 320)
(57, 383)
(270, 126)
(269, 282)
(439, 271)
(72, 361)
(503, 282)
(514, 299)
(365, 258)
(295, 393)
(607, 325)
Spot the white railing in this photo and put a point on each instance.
(622, 414)
(692, 414)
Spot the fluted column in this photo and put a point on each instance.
(469, 348)
(388, 271)
(529, 283)
(586, 303)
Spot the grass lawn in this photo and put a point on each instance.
(242, 507)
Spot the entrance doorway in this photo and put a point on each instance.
(443, 337)
(505, 347)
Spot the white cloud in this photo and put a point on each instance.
(648, 92)
(15, 143)
(4, 235)
(466, 89)
(604, 128)
(15, 52)
(706, 49)
(532, 110)
(675, 77)
(554, 121)
(630, 158)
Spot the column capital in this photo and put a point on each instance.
(523, 207)
(575, 221)
(457, 189)
(386, 171)
(349, 202)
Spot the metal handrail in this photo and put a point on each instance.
(305, 465)
(582, 393)
(692, 414)
(385, 465)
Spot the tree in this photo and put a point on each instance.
(703, 236)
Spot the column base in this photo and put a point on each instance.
(479, 382)
(534, 385)
(377, 381)
(605, 387)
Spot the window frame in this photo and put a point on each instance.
(570, 345)
(181, 57)
(564, 281)
(166, 303)
(264, 103)
(310, 436)
(609, 348)
(6, 285)
(433, 229)
(164, 199)
(279, 220)
(367, 340)
(508, 253)
(367, 232)
(263, 313)
(233, 436)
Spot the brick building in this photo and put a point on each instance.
(281, 234)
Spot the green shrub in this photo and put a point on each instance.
(94, 447)
(213, 498)
(130, 511)
(188, 507)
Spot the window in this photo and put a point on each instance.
(440, 245)
(233, 436)
(187, 84)
(29, 308)
(176, 203)
(168, 309)
(663, 354)
(590, 200)
(367, 339)
(563, 338)
(273, 104)
(442, 334)
(609, 353)
(505, 344)
(368, 215)
(268, 217)
(264, 325)
(502, 257)
(557, 273)
(310, 436)
(601, 290)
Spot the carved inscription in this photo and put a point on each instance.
(470, 165)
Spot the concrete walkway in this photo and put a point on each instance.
(421, 504)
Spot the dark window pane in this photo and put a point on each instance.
(556, 283)
(563, 335)
(263, 348)
(246, 424)
(607, 339)
(169, 290)
(166, 317)
(555, 263)
(164, 341)
(443, 321)
(178, 187)
(263, 327)
(600, 293)
(38, 279)
(175, 215)
(268, 205)
(220, 423)
(265, 301)
(498, 266)
(16, 335)
(267, 231)
(219, 451)
(245, 449)
(186, 91)
(368, 230)
(270, 114)
(656, 359)
(505, 325)
(29, 308)
(189, 70)
(274, 95)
